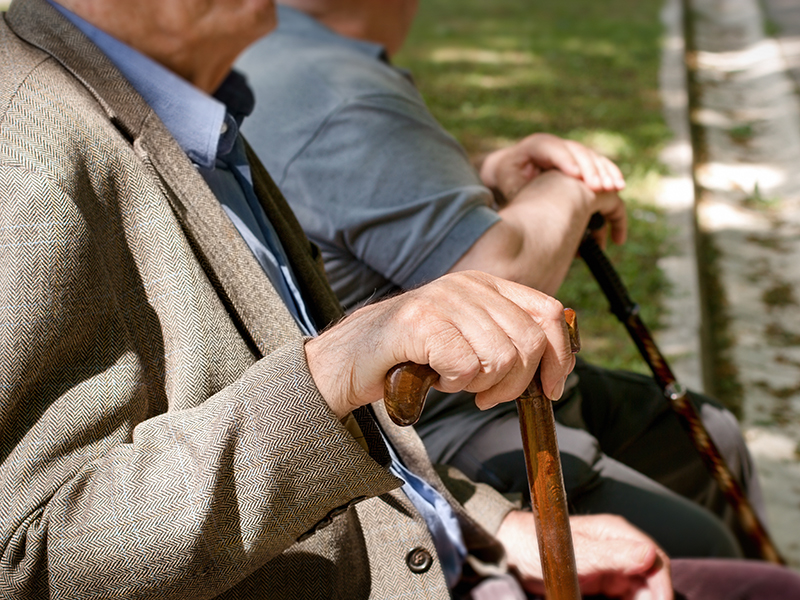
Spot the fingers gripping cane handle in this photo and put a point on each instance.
(405, 388)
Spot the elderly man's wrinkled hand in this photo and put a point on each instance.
(478, 332)
(614, 558)
(510, 169)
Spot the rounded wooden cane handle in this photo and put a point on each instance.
(407, 384)
(404, 391)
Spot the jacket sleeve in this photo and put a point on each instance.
(110, 486)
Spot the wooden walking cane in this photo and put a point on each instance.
(404, 396)
(627, 312)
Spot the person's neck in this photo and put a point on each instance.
(361, 29)
(195, 40)
(364, 21)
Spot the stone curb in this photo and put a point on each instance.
(679, 339)
(745, 123)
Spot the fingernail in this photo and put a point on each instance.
(642, 554)
(558, 391)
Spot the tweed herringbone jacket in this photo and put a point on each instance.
(160, 434)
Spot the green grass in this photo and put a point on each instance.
(493, 72)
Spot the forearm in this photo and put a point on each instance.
(132, 430)
(538, 236)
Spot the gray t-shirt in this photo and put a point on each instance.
(386, 193)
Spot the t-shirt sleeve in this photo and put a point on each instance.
(382, 181)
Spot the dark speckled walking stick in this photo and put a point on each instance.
(627, 312)
(404, 395)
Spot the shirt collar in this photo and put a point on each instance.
(202, 125)
(298, 23)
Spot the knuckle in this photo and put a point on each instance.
(449, 281)
(536, 342)
(554, 309)
(423, 306)
(412, 310)
(505, 359)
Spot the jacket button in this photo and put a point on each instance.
(419, 560)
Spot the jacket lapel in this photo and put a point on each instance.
(223, 253)
(258, 310)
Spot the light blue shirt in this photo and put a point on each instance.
(207, 129)
(208, 132)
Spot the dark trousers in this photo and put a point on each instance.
(625, 452)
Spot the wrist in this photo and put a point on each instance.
(517, 533)
(319, 365)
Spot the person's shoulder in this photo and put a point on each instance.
(19, 59)
(50, 122)
(31, 75)
(284, 63)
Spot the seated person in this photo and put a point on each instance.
(171, 424)
(393, 201)
(168, 429)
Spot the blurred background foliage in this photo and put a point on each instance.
(494, 72)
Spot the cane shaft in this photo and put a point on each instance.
(548, 499)
(405, 388)
(627, 312)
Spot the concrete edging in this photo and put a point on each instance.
(745, 122)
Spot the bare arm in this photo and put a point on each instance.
(541, 229)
